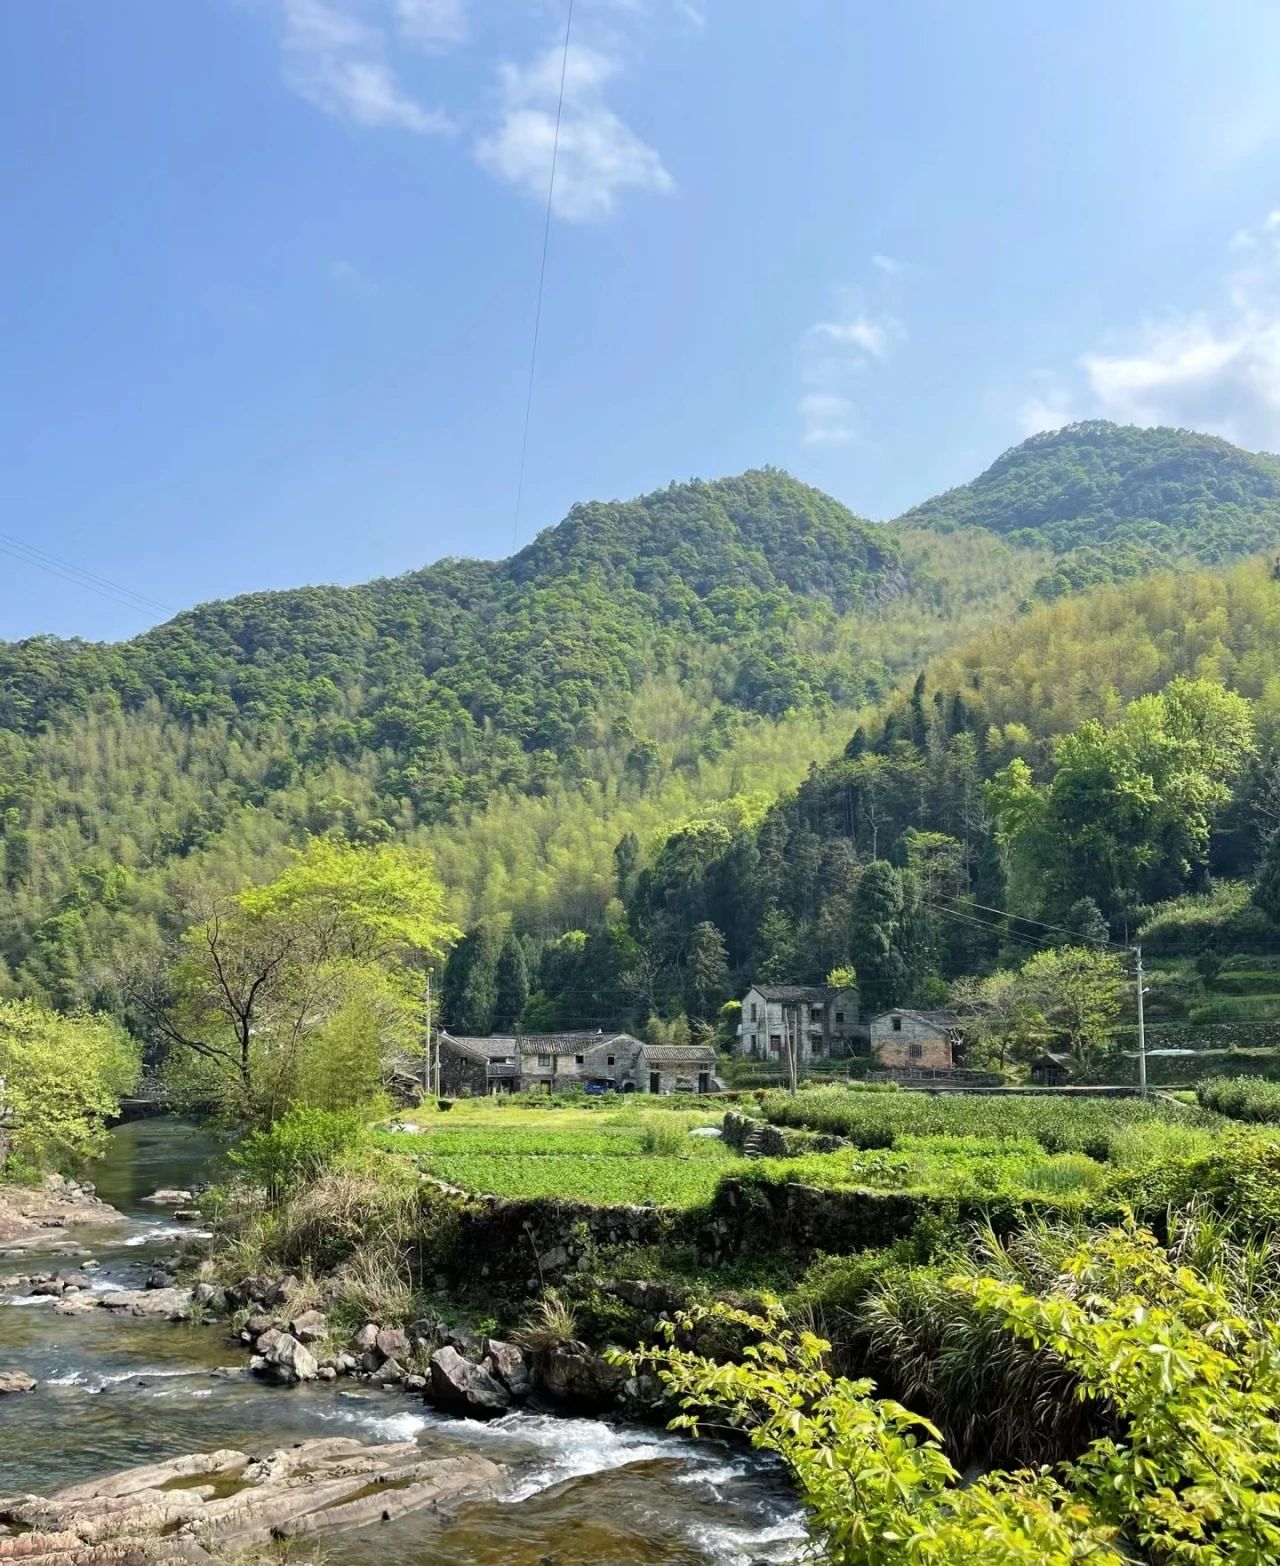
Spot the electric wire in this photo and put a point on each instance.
(28, 554)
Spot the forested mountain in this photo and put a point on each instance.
(628, 663)
(639, 665)
(1114, 501)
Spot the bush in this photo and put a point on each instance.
(1242, 1098)
(298, 1149)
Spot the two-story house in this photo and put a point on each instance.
(824, 1021)
(551, 1062)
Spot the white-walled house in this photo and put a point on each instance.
(823, 1019)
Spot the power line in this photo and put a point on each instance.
(1078, 935)
(28, 554)
(991, 929)
(542, 280)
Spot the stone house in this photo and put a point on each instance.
(905, 1040)
(825, 1021)
(551, 1062)
(1050, 1069)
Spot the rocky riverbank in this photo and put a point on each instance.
(39, 1217)
(210, 1506)
(482, 1377)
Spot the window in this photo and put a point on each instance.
(775, 1042)
(915, 1051)
(578, 1059)
(545, 1062)
(897, 1024)
(839, 1016)
(753, 1012)
(611, 1060)
(816, 1011)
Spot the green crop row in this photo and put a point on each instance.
(1242, 1098)
(1103, 1129)
(655, 1181)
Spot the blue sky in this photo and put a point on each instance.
(268, 267)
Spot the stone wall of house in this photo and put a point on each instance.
(461, 1077)
(894, 1048)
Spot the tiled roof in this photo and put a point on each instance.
(679, 1054)
(937, 1019)
(498, 1046)
(788, 993)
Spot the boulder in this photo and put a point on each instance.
(392, 1373)
(168, 1304)
(287, 1361)
(572, 1373)
(158, 1278)
(310, 1327)
(391, 1343)
(282, 1291)
(365, 1339)
(507, 1362)
(257, 1325)
(249, 1291)
(464, 1388)
(208, 1296)
(16, 1381)
(168, 1198)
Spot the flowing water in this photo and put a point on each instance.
(579, 1492)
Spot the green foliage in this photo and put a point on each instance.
(298, 1148)
(61, 1078)
(1173, 1354)
(303, 990)
(1094, 1127)
(1114, 502)
(1242, 1098)
(600, 1153)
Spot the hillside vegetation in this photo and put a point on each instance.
(1113, 502)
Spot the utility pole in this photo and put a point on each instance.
(1142, 1027)
(791, 1037)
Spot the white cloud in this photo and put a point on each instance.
(837, 352)
(339, 62)
(888, 265)
(599, 156)
(861, 332)
(829, 419)
(432, 24)
(1216, 368)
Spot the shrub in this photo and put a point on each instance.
(1242, 1098)
(297, 1150)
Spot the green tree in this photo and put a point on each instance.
(707, 971)
(1266, 892)
(61, 1078)
(1078, 992)
(510, 986)
(259, 987)
(1002, 1022)
(875, 935)
(469, 992)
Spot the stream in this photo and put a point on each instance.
(117, 1392)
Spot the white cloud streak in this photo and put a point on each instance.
(340, 63)
(1216, 368)
(433, 25)
(838, 350)
(599, 156)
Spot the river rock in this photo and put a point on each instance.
(365, 1339)
(311, 1326)
(572, 1373)
(168, 1198)
(208, 1296)
(168, 1304)
(16, 1381)
(288, 1361)
(391, 1343)
(283, 1290)
(507, 1362)
(464, 1388)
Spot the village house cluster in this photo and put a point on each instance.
(818, 1022)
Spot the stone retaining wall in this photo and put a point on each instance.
(772, 1141)
(520, 1246)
